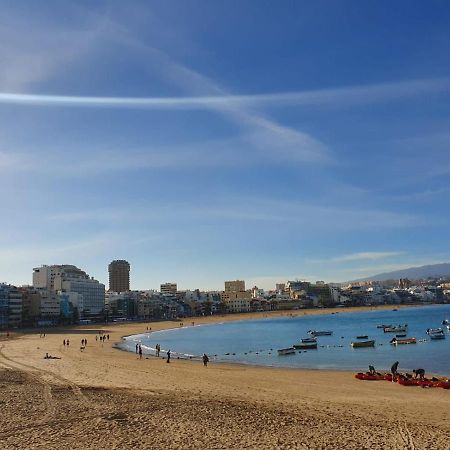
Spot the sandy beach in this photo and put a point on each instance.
(105, 398)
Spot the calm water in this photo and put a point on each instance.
(257, 341)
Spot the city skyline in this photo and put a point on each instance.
(146, 135)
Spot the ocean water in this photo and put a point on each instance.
(256, 341)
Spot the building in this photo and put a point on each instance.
(235, 286)
(68, 278)
(169, 289)
(10, 306)
(119, 276)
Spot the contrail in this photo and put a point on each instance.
(326, 97)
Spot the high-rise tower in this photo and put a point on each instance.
(119, 276)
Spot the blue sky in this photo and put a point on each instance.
(205, 141)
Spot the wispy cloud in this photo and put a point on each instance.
(333, 97)
(362, 256)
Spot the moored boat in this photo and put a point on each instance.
(395, 341)
(306, 346)
(309, 340)
(363, 344)
(315, 333)
(435, 331)
(362, 336)
(396, 329)
(400, 335)
(286, 351)
(437, 336)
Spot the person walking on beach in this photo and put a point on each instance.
(68, 342)
(140, 351)
(394, 370)
(108, 337)
(168, 356)
(64, 342)
(96, 337)
(205, 360)
(137, 349)
(158, 348)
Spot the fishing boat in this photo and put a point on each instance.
(400, 335)
(363, 344)
(396, 329)
(315, 333)
(306, 346)
(309, 340)
(286, 351)
(362, 337)
(395, 341)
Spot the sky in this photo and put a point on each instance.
(207, 141)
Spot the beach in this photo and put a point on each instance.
(102, 397)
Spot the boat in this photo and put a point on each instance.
(435, 331)
(384, 326)
(400, 335)
(309, 340)
(446, 322)
(363, 344)
(369, 377)
(396, 329)
(395, 341)
(286, 351)
(362, 337)
(315, 333)
(436, 336)
(306, 346)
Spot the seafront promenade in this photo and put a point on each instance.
(105, 398)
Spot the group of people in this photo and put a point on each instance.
(102, 337)
(418, 373)
(66, 342)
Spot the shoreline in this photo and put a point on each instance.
(99, 397)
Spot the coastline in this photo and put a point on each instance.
(132, 403)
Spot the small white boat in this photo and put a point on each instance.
(436, 336)
(286, 351)
(396, 329)
(435, 331)
(315, 333)
(306, 346)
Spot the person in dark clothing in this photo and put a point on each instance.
(372, 370)
(137, 348)
(140, 352)
(419, 373)
(394, 370)
(205, 359)
(168, 356)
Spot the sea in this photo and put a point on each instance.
(256, 341)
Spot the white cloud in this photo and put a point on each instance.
(361, 256)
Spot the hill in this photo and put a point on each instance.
(413, 273)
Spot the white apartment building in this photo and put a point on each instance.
(69, 278)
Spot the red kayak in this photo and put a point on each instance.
(368, 377)
(443, 384)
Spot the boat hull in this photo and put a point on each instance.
(363, 344)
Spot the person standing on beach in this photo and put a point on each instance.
(394, 370)
(168, 356)
(140, 351)
(137, 349)
(205, 359)
(64, 342)
(68, 342)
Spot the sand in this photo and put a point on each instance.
(104, 398)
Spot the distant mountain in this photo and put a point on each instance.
(413, 273)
